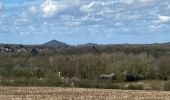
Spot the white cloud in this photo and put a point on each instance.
(168, 7)
(138, 2)
(118, 24)
(51, 7)
(33, 9)
(162, 19)
(146, 1)
(127, 1)
(155, 27)
(133, 17)
(88, 7)
(159, 23)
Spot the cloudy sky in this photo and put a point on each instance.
(83, 21)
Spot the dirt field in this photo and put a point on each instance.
(50, 93)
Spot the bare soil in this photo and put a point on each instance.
(53, 93)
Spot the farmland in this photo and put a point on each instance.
(52, 93)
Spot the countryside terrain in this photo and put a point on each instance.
(111, 66)
(111, 50)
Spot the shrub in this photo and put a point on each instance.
(70, 82)
(53, 79)
(98, 84)
(23, 82)
(85, 83)
(132, 77)
(167, 86)
(120, 78)
(156, 86)
(109, 86)
(134, 87)
(34, 52)
(39, 73)
(21, 73)
(3, 73)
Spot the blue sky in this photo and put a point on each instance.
(84, 21)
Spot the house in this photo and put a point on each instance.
(21, 50)
(5, 49)
(1, 49)
(109, 76)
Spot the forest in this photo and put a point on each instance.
(82, 66)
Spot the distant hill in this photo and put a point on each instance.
(58, 44)
(88, 45)
(55, 44)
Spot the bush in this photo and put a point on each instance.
(87, 83)
(21, 73)
(39, 73)
(134, 87)
(23, 82)
(53, 79)
(98, 84)
(120, 78)
(167, 86)
(70, 82)
(109, 86)
(3, 73)
(132, 77)
(156, 86)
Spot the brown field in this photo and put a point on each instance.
(51, 93)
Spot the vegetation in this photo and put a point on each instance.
(82, 66)
(167, 86)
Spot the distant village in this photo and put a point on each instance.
(5, 49)
(14, 48)
(19, 49)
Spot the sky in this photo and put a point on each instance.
(85, 21)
